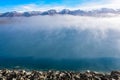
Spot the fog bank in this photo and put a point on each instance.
(60, 36)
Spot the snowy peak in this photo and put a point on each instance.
(98, 12)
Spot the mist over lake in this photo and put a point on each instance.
(61, 37)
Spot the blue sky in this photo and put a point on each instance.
(45, 2)
(29, 5)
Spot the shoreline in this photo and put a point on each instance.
(7, 74)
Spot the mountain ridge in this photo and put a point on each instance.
(97, 12)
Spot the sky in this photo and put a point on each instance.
(36, 5)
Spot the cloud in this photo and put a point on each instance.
(87, 5)
(34, 7)
(102, 4)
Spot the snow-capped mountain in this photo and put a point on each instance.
(97, 12)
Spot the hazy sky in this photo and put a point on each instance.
(30, 5)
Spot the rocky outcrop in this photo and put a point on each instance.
(57, 75)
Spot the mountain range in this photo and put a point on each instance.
(97, 12)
